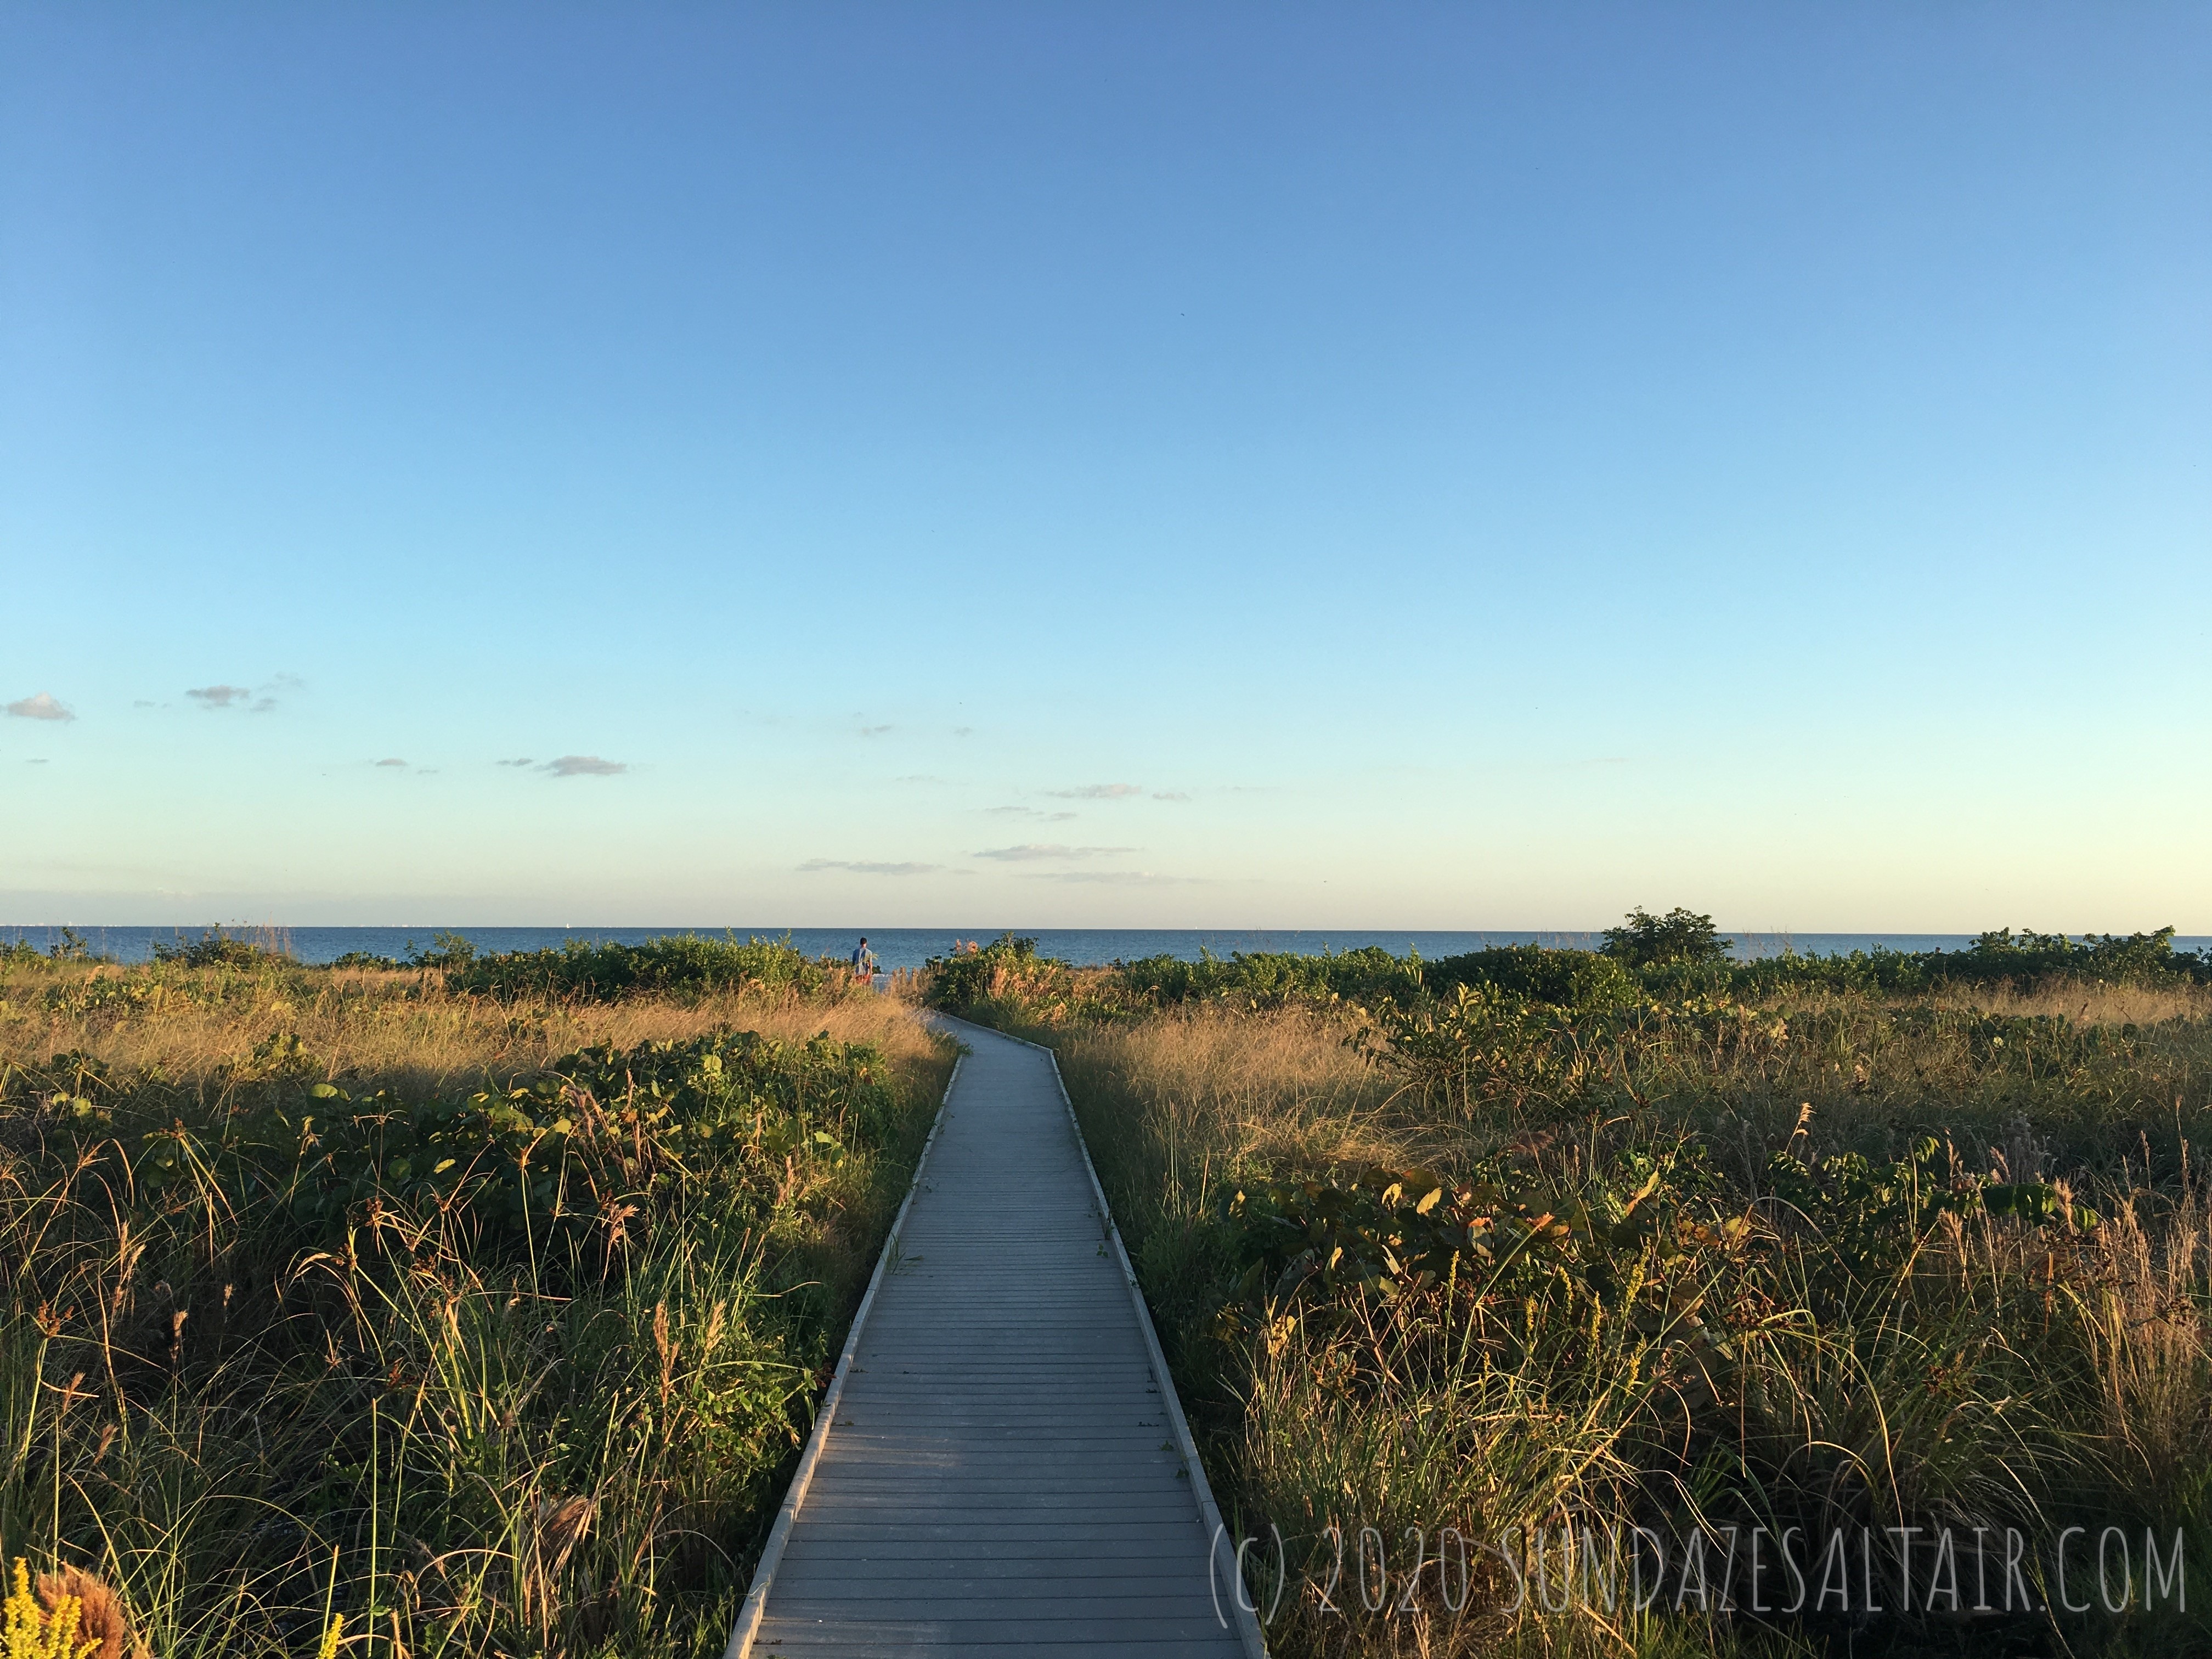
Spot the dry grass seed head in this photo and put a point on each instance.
(103, 1628)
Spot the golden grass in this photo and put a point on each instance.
(399, 1429)
(2007, 1370)
(400, 1028)
(2085, 1002)
(1273, 1086)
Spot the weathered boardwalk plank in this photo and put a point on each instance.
(1005, 1470)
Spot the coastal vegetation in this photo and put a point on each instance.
(1469, 1269)
(466, 1306)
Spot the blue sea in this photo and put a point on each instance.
(909, 947)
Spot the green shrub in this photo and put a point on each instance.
(963, 978)
(2135, 958)
(68, 948)
(216, 949)
(1563, 979)
(363, 959)
(1272, 978)
(1644, 939)
(676, 964)
(447, 951)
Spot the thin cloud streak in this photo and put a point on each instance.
(1099, 792)
(584, 766)
(239, 697)
(868, 868)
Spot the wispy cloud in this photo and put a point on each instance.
(1099, 791)
(869, 867)
(44, 706)
(1042, 850)
(921, 777)
(254, 700)
(1170, 794)
(584, 766)
(392, 762)
(874, 731)
(525, 761)
(1027, 812)
(231, 697)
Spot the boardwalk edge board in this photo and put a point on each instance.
(756, 1603)
(1242, 1618)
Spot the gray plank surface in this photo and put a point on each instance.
(1001, 1473)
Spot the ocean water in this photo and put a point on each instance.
(908, 947)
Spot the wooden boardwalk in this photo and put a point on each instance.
(1004, 1468)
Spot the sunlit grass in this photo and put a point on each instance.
(443, 1413)
(1897, 1364)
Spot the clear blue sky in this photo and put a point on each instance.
(1411, 465)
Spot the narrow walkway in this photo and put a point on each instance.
(1001, 1474)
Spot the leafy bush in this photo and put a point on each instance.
(1867, 1219)
(1646, 940)
(673, 965)
(1399, 1234)
(447, 950)
(363, 959)
(2135, 957)
(1272, 978)
(962, 979)
(215, 949)
(68, 949)
(1563, 979)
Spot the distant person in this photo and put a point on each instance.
(864, 960)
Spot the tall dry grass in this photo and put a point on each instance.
(400, 1027)
(2088, 1002)
(410, 1428)
(1984, 1372)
